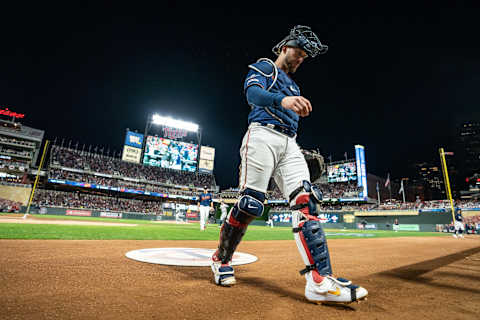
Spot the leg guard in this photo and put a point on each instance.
(248, 207)
(321, 286)
(308, 231)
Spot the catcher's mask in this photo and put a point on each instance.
(304, 38)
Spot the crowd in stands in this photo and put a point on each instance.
(472, 227)
(116, 182)
(6, 180)
(77, 159)
(17, 142)
(9, 205)
(16, 164)
(472, 223)
(78, 200)
(339, 190)
(394, 204)
(22, 153)
(331, 190)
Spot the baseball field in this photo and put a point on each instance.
(57, 267)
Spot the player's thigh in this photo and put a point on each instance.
(258, 159)
(291, 170)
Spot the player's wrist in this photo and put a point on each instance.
(278, 99)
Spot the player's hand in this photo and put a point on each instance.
(297, 104)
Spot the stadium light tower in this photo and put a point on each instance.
(174, 123)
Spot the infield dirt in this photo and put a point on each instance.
(407, 278)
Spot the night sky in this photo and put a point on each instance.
(397, 80)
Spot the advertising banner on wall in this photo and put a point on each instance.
(328, 218)
(80, 213)
(116, 215)
(282, 217)
(368, 226)
(206, 160)
(192, 215)
(131, 154)
(134, 139)
(408, 227)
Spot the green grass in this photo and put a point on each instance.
(147, 230)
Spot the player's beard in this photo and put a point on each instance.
(291, 64)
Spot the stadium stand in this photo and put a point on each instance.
(62, 158)
(7, 205)
(63, 199)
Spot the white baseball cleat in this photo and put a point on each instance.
(454, 235)
(223, 274)
(333, 290)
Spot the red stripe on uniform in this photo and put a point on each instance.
(304, 243)
(315, 275)
(246, 158)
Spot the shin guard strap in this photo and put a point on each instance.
(308, 269)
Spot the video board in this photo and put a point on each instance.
(342, 172)
(170, 154)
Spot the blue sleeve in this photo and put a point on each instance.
(254, 78)
(259, 97)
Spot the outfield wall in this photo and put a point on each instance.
(409, 220)
(368, 220)
(79, 212)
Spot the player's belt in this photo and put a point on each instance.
(277, 128)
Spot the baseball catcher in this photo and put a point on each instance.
(269, 149)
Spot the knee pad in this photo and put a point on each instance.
(306, 196)
(248, 207)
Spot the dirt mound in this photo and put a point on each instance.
(407, 278)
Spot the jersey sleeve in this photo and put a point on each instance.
(259, 97)
(254, 78)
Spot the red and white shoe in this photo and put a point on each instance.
(333, 290)
(223, 273)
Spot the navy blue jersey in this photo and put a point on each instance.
(262, 74)
(458, 216)
(205, 199)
